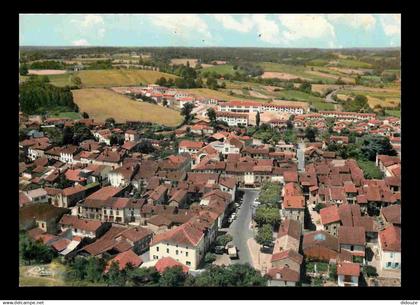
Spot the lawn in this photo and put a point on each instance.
(396, 113)
(296, 95)
(101, 104)
(56, 279)
(323, 106)
(61, 80)
(221, 69)
(70, 115)
(370, 170)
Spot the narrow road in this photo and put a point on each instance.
(240, 227)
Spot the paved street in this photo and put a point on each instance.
(240, 227)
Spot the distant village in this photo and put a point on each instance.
(112, 200)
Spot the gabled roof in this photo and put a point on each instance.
(352, 235)
(392, 214)
(292, 254)
(169, 262)
(347, 268)
(186, 234)
(390, 239)
(329, 215)
(124, 258)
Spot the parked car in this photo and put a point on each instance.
(232, 251)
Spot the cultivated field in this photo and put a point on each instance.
(183, 61)
(221, 69)
(101, 104)
(46, 72)
(116, 77)
(209, 93)
(279, 75)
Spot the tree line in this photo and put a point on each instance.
(37, 96)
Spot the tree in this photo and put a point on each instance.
(173, 277)
(109, 122)
(270, 194)
(358, 104)
(257, 119)
(145, 147)
(35, 251)
(267, 215)
(311, 133)
(76, 81)
(164, 103)
(211, 114)
(222, 240)
(144, 276)
(209, 258)
(115, 276)
(23, 69)
(68, 135)
(305, 87)
(186, 112)
(236, 275)
(94, 269)
(373, 145)
(81, 133)
(265, 235)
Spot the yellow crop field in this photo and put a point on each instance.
(120, 77)
(101, 104)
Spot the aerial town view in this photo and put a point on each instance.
(209, 150)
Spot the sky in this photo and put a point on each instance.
(206, 30)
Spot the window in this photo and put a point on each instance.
(388, 264)
(186, 253)
(157, 249)
(397, 265)
(188, 263)
(391, 255)
(176, 252)
(167, 250)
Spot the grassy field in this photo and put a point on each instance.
(221, 69)
(116, 77)
(56, 279)
(296, 95)
(298, 71)
(101, 104)
(70, 115)
(209, 93)
(376, 96)
(352, 63)
(323, 106)
(108, 78)
(396, 113)
(370, 170)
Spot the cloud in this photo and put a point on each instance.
(268, 29)
(391, 24)
(304, 26)
(366, 21)
(229, 22)
(181, 24)
(80, 42)
(88, 20)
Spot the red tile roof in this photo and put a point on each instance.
(329, 215)
(352, 235)
(292, 254)
(390, 239)
(283, 274)
(347, 268)
(123, 258)
(186, 234)
(168, 262)
(392, 213)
